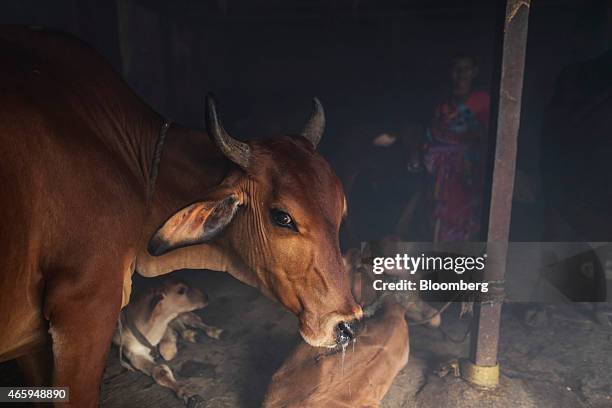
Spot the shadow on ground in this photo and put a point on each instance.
(564, 362)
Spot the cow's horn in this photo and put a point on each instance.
(236, 151)
(315, 127)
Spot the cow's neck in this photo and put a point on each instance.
(190, 167)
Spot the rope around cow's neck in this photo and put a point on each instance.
(159, 146)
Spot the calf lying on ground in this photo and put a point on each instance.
(151, 324)
(359, 376)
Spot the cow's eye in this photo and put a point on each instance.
(282, 219)
(182, 290)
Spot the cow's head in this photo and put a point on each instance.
(278, 214)
(411, 137)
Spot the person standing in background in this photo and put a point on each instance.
(455, 155)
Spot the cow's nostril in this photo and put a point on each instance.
(344, 333)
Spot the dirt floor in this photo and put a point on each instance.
(566, 361)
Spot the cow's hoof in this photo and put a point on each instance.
(195, 401)
(212, 333)
(224, 335)
(191, 336)
(215, 333)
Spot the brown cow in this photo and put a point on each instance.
(357, 377)
(151, 324)
(82, 208)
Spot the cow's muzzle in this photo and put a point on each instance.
(345, 332)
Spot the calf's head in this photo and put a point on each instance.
(277, 214)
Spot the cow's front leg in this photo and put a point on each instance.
(82, 309)
(161, 374)
(193, 320)
(167, 346)
(211, 331)
(37, 367)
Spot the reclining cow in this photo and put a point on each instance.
(150, 326)
(358, 377)
(96, 185)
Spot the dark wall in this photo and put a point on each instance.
(376, 65)
(93, 21)
(374, 68)
(560, 33)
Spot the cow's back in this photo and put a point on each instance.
(66, 183)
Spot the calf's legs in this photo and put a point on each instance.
(167, 346)
(161, 373)
(190, 319)
(180, 326)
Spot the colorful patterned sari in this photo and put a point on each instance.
(454, 157)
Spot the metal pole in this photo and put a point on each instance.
(482, 368)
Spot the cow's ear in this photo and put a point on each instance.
(194, 224)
